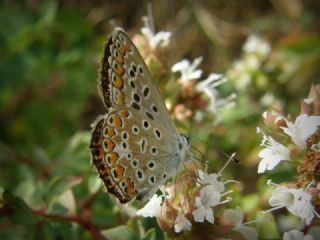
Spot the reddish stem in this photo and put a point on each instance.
(85, 223)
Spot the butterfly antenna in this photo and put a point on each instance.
(233, 158)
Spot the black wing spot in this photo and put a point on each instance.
(149, 115)
(154, 109)
(132, 84)
(157, 133)
(136, 97)
(146, 124)
(141, 70)
(146, 91)
(132, 73)
(134, 68)
(135, 106)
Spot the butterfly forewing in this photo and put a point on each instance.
(126, 80)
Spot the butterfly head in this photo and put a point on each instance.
(183, 146)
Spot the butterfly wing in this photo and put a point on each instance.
(132, 154)
(126, 81)
(134, 146)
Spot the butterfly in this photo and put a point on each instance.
(135, 145)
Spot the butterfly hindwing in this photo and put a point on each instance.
(130, 154)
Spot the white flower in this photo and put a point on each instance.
(255, 44)
(208, 199)
(181, 223)
(167, 191)
(235, 216)
(208, 87)
(211, 179)
(152, 208)
(188, 70)
(296, 235)
(272, 155)
(303, 127)
(155, 39)
(297, 201)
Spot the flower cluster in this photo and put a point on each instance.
(197, 199)
(203, 91)
(298, 142)
(204, 96)
(247, 70)
(194, 201)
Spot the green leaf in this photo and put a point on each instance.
(57, 209)
(150, 235)
(17, 210)
(120, 233)
(94, 184)
(60, 184)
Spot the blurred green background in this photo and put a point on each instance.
(49, 56)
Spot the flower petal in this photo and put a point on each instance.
(199, 214)
(152, 208)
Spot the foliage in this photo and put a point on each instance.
(50, 53)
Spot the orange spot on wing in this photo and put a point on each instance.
(118, 83)
(109, 132)
(110, 145)
(112, 158)
(117, 121)
(122, 50)
(120, 59)
(119, 70)
(124, 113)
(120, 171)
(130, 187)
